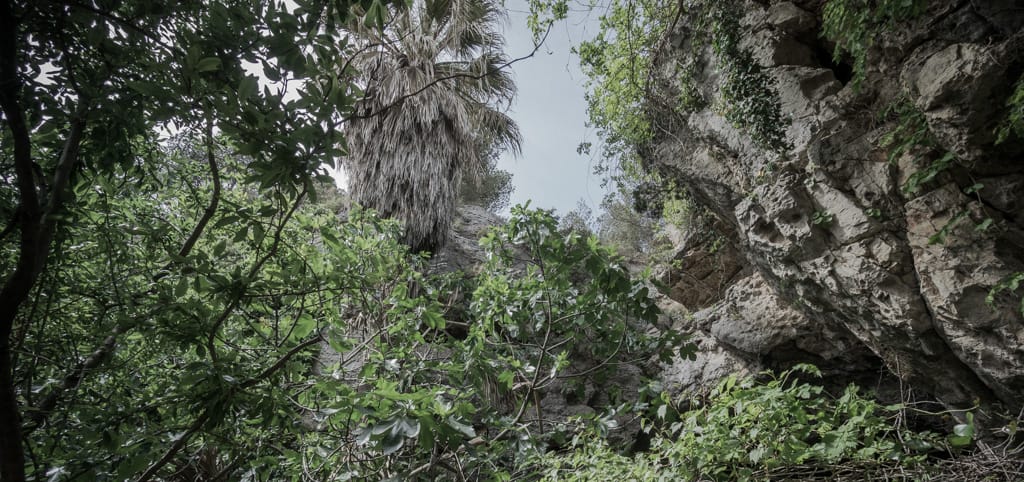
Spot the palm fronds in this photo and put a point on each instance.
(433, 82)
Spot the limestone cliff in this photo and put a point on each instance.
(829, 255)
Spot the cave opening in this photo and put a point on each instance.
(842, 69)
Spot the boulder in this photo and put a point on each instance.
(955, 87)
(790, 18)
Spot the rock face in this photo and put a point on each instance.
(462, 252)
(702, 269)
(834, 259)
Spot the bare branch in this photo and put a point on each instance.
(275, 245)
(211, 209)
(174, 448)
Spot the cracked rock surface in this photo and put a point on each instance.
(829, 257)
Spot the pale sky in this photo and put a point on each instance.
(551, 114)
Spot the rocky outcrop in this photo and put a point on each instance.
(848, 267)
(462, 252)
(751, 329)
(703, 267)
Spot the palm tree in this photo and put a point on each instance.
(433, 79)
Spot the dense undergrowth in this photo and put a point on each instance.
(784, 427)
(294, 345)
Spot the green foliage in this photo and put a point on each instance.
(910, 131)
(749, 97)
(490, 188)
(580, 220)
(943, 233)
(618, 65)
(622, 102)
(678, 212)
(572, 291)
(911, 137)
(491, 192)
(1014, 123)
(822, 218)
(525, 325)
(923, 176)
(223, 351)
(125, 262)
(543, 14)
(620, 226)
(647, 195)
(214, 339)
(855, 24)
(745, 430)
(963, 433)
(1010, 284)
(690, 98)
(181, 327)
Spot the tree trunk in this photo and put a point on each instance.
(12, 460)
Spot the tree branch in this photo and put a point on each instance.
(275, 245)
(211, 209)
(174, 448)
(38, 415)
(280, 362)
(37, 229)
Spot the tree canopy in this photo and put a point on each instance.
(86, 89)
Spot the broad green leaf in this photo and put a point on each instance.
(219, 248)
(392, 444)
(462, 428)
(241, 234)
(208, 64)
(408, 427)
(506, 378)
(145, 88)
(247, 87)
(258, 233)
(363, 436)
(304, 325)
(181, 288)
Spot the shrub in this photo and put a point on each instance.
(746, 430)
